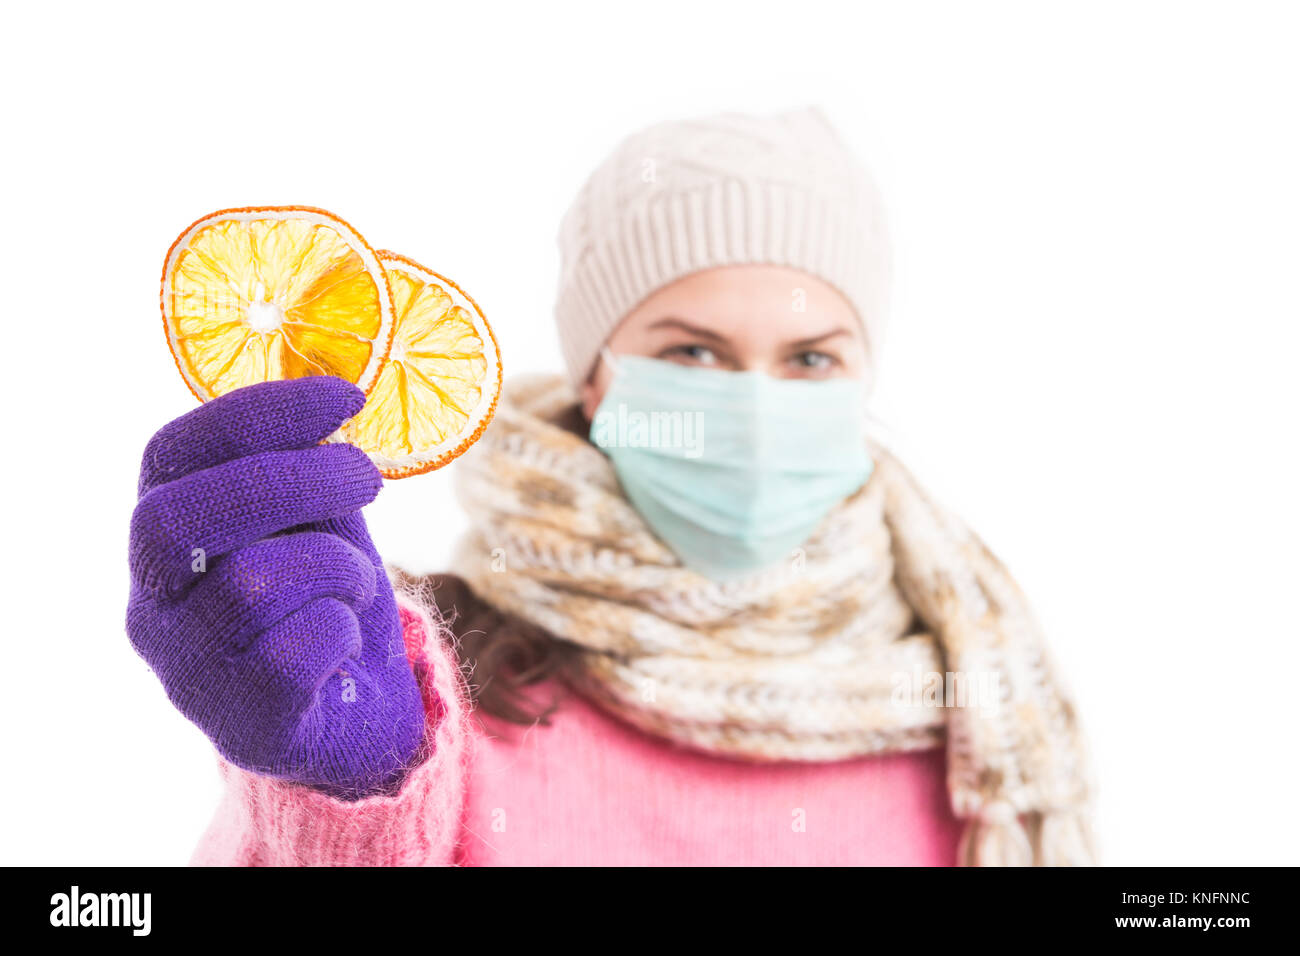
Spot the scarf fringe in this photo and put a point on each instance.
(1001, 837)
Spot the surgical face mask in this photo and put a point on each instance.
(732, 470)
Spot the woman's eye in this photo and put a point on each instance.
(814, 361)
(696, 354)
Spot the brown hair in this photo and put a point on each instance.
(501, 655)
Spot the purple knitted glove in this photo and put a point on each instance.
(258, 598)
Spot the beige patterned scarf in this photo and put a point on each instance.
(892, 629)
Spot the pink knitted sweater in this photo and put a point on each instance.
(586, 789)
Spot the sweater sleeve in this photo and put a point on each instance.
(267, 822)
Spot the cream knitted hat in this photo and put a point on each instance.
(680, 197)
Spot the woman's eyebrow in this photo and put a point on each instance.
(684, 326)
(813, 340)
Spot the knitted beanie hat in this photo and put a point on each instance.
(680, 197)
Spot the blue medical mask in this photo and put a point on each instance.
(732, 470)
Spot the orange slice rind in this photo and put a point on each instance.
(439, 388)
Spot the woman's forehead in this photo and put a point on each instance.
(756, 304)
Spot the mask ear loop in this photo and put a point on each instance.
(608, 356)
(874, 428)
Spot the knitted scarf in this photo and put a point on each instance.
(892, 629)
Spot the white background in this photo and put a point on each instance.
(1097, 216)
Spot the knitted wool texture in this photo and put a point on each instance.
(800, 663)
(263, 821)
(258, 598)
(728, 190)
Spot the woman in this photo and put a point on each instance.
(704, 619)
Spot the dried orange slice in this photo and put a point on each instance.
(440, 386)
(272, 292)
